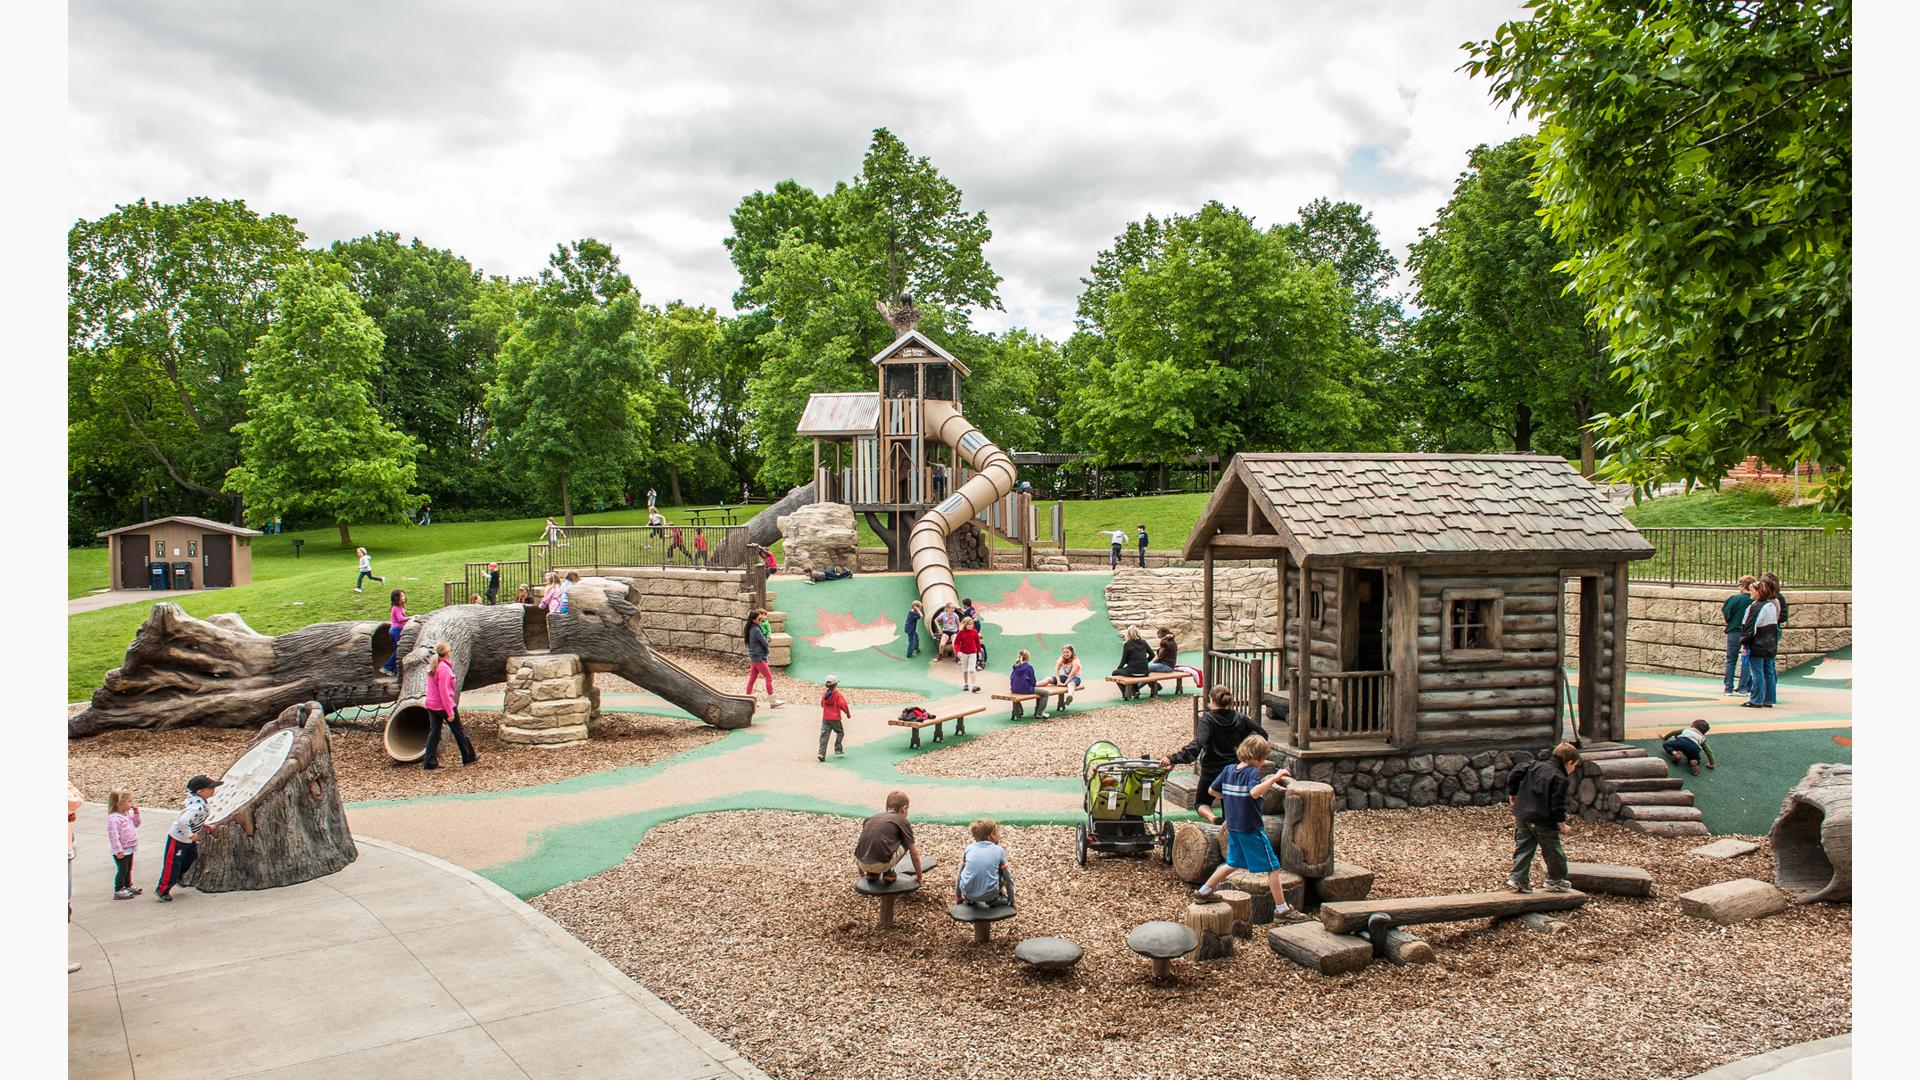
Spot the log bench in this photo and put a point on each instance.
(937, 723)
(1020, 700)
(1348, 916)
(1177, 678)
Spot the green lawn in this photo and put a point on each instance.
(1739, 507)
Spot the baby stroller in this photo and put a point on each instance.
(1122, 805)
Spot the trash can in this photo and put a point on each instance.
(183, 575)
(157, 575)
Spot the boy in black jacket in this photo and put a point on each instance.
(1538, 791)
(1216, 742)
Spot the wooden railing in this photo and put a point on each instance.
(1252, 675)
(1801, 558)
(1344, 705)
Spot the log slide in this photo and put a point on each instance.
(762, 528)
(182, 671)
(993, 478)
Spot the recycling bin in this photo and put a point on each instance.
(157, 575)
(183, 575)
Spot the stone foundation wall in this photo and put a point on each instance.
(550, 701)
(1246, 604)
(1677, 630)
(683, 608)
(1374, 783)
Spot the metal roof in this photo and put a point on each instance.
(841, 414)
(196, 522)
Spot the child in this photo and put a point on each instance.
(1538, 791)
(1142, 526)
(967, 612)
(1066, 676)
(833, 709)
(1217, 736)
(915, 614)
(123, 836)
(474, 599)
(758, 650)
(949, 623)
(1689, 743)
(1021, 680)
(984, 880)
(677, 542)
(396, 622)
(183, 837)
(967, 645)
(366, 570)
(493, 582)
(699, 547)
(523, 595)
(1240, 789)
(881, 838)
(443, 708)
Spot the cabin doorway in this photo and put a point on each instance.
(1576, 705)
(1366, 646)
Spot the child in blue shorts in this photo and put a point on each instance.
(1239, 789)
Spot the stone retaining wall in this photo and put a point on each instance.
(1373, 783)
(683, 608)
(1678, 630)
(1246, 604)
(550, 701)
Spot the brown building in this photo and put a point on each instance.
(215, 555)
(1421, 604)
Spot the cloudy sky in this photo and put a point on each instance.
(498, 130)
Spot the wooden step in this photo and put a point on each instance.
(1609, 879)
(1612, 755)
(1668, 828)
(1631, 768)
(1660, 813)
(1655, 798)
(1643, 783)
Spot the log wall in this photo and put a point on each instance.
(1510, 700)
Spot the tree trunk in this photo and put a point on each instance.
(566, 501)
(1813, 837)
(277, 819)
(1242, 905)
(346, 538)
(762, 528)
(1306, 839)
(1583, 415)
(1523, 428)
(673, 483)
(1403, 949)
(1196, 851)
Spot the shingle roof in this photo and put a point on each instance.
(196, 522)
(1343, 504)
(841, 414)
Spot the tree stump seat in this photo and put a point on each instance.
(1049, 955)
(888, 892)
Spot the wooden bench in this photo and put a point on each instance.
(1019, 699)
(1178, 678)
(958, 720)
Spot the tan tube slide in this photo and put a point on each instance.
(993, 479)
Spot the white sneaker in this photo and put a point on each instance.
(359, 590)
(774, 703)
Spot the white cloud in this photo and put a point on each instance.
(498, 131)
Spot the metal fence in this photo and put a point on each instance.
(1808, 558)
(596, 547)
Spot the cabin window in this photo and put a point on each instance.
(159, 549)
(1470, 624)
(900, 380)
(938, 379)
(1316, 604)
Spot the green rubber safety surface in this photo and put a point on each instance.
(1754, 773)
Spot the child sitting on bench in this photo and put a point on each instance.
(1066, 676)
(1689, 744)
(984, 880)
(1021, 680)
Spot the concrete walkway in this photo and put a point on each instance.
(1824, 1059)
(398, 966)
(117, 597)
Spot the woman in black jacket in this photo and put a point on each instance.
(1135, 655)
(1216, 742)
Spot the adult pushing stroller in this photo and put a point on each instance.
(1122, 803)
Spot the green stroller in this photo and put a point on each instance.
(1122, 805)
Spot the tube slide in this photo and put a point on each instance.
(993, 479)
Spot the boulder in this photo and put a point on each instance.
(820, 537)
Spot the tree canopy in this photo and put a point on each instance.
(1696, 158)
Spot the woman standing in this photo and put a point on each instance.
(755, 634)
(443, 707)
(1761, 635)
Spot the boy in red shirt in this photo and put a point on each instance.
(967, 646)
(833, 709)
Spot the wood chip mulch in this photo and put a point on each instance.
(1055, 747)
(747, 922)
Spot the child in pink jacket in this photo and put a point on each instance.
(443, 707)
(123, 836)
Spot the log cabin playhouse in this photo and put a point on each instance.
(1434, 594)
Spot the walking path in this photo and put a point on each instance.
(1823, 1059)
(399, 966)
(116, 597)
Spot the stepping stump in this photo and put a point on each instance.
(1613, 880)
(1049, 955)
(1162, 942)
(1734, 901)
(1242, 904)
(982, 918)
(1292, 886)
(888, 892)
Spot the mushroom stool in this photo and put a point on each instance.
(1047, 954)
(1161, 942)
(982, 918)
(888, 892)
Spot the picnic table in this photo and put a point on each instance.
(721, 515)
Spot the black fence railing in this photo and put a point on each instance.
(1807, 558)
(594, 548)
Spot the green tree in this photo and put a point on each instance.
(1342, 235)
(573, 395)
(437, 360)
(312, 441)
(164, 303)
(1696, 158)
(1505, 345)
(1214, 338)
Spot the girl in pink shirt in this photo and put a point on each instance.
(443, 707)
(396, 622)
(123, 836)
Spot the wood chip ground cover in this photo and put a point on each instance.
(747, 922)
(1056, 746)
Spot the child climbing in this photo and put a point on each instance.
(1689, 745)
(915, 614)
(396, 622)
(123, 837)
(1119, 539)
(833, 709)
(966, 645)
(1240, 789)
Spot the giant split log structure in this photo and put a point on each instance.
(181, 670)
(276, 818)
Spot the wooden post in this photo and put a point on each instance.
(818, 495)
(1404, 649)
(1206, 606)
(1298, 696)
(1616, 718)
(1306, 840)
(1591, 670)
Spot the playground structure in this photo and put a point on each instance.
(219, 672)
(276, 818)
(904, 443)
